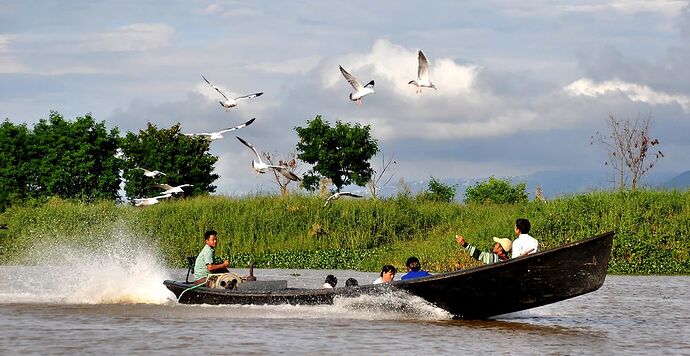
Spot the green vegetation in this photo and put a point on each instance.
(340, 153)
(652, 230)
(496, 191)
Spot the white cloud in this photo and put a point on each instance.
(666, 7)
(134, 37)
(288, 66)
(635, 92)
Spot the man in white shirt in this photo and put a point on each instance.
(524, 244)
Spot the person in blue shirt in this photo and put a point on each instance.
(414, 269)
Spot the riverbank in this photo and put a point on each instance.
(652, 229)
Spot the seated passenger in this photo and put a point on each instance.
(414, 270)
(351, 282)
(204, 262)
(387, 274)
(524, 244)
(331, 282)
(499, 251)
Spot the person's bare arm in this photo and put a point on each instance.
(212, 267)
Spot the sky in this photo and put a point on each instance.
(522, 86)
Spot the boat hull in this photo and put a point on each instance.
(538, 279)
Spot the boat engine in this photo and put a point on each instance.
(225, 280)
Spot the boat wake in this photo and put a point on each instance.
(393, 305)
(120, 269)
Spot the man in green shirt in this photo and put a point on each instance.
(204, 261)
(498, 253)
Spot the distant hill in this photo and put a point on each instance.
(681, 181)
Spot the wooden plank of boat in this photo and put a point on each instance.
(541, 278)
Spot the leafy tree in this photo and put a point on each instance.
(184, 160)
(439, 191)
(14, 156)
(340, 153)
(627, 145)
(73, 159)
(497, 191)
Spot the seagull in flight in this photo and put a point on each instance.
(172, 190)
(219, 134)
(422, 74)
(150, 201)
(151, 174)
(262, 167)
(360, 91)
(229, 102)
(341, 194)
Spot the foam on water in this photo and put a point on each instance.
(120, 269)
(393, 305)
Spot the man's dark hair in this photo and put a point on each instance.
(388, 268)
(523, 225)
(351, 282)
(413, 264)
(332, 280)
(209, 233)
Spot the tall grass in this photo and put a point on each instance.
(652, 229)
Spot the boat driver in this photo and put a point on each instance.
(204, 261)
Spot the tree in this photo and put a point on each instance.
(496, 191)
(375, 182)
(184, 160)
(627, 145)
(290, 161)
(14, 156)
(439, 191)
(73, 159)
(340, 153)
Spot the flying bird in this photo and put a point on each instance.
(151, 174)
(231, 102)
(172, 190)
(341, 194)
(219, 134)
(360, 91)
(262, 167)
(422, 74)
(150, 201)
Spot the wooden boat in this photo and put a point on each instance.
(530, 281)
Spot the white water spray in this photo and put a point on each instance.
(120, 269)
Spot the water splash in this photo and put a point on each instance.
(392, 305)
(118, 269)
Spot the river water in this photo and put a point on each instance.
(112, 301)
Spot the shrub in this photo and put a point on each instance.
(496, 191)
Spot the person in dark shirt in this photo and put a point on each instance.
(414, 269)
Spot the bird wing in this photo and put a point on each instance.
(216, 88)
(163, 196)
(244, 97)
(352, 80)
(164, 186)
(143, 169)
(355, 195)
(250, 147)
(286, 173)
(238, 126)
(423, 70)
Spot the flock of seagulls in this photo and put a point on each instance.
(259, 166)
